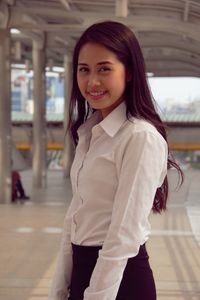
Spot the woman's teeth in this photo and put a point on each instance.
(96, 93)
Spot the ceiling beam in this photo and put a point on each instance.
(171, 64)
(4, 15)
(66, 5)
(193, 63)
(173, 42)
(165, 25)
(46, 11)
(186, 10)
(174, 73)
(137, 23)
(173, 68)
(121, 8)
(10, 2)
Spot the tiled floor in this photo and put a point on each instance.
(30, 235)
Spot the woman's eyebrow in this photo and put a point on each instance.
(99, 63)
(105, 62)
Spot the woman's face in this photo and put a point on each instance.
(101, 77)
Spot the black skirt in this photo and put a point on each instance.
(137, 282)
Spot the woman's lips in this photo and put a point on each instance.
(96, 95)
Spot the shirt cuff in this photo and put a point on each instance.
(106, 279)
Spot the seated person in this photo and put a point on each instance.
(17, 187)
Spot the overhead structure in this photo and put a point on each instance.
(168, 30)
(37, 33)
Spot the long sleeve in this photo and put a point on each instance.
(141, 171)
(62, 277)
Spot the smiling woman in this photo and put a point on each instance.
(119, 173)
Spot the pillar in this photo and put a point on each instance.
(39, 119)
(68, 145)
(5, 117)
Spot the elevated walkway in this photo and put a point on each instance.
(183, 131)
(31, 232)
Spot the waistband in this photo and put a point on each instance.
(85, 249)
(91, 250)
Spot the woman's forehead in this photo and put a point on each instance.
(93, 52)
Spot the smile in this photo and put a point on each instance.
(96, 94)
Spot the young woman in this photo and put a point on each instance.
(119, 173)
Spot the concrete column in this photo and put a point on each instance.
(5, 118)
(39, 120)
(68, 145)
(121, 8)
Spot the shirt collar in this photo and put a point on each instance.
(110, 124)
(113, 122)
(86, 127)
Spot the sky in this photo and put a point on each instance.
(178, 89)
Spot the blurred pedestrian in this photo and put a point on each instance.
(18, 192)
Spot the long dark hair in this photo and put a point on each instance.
(138, 99)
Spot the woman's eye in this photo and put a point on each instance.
(83, 69)
(104, 69)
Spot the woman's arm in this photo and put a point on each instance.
(62, 277)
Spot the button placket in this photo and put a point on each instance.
(87, 144)
(84, 152)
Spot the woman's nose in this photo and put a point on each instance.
(93, 80)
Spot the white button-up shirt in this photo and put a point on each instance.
(118, 166)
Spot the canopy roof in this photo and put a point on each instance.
(168, 30)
